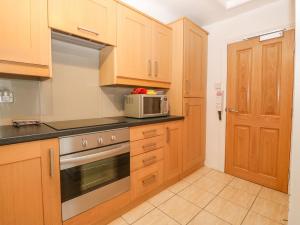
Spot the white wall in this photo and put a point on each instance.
(272, 16)
(294, 213)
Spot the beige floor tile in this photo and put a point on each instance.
(256, 219)
(118, 221)
(156, 217)
(246, 186)
(138, 212)
(197, 174)
(270, 209)
(179, 186)
(197, 196)
(220, 177)
(179, 209)
(210, 185)
(275, 196)
(238, 196)
(205, 218)
(161, 197)
(227, 211)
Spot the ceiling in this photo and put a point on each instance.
(203, 12)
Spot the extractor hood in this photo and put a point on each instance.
(76, 40)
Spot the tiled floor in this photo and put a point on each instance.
(209, 197)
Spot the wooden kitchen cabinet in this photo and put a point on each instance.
(143, 53)
(189, 64)
(25, 38)
(30, 185)
(194, 134)
(173, 150)
(90, 19)
(162, 52)
(195, 60)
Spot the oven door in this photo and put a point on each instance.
(152, 105)
(93, 176)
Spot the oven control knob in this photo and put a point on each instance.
(84, 143)
(100, 141)
(113, 138)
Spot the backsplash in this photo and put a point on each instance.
(72, 93)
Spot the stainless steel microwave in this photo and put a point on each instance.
(143, 106)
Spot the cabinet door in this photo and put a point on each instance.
(173, 150)
(29, 187)
(194, 133)
(92, 19)
(162, 51)
(134, 44)
(25, 37)
(195, 60)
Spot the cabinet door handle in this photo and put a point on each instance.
(149, 147)
(156, 68)
(149, 68)
(187, 108)
(51, 156)
(149, 161)
(88, 30)
(149, 180)
(232, 110)
(168, 134)
(150, 133)
(187, 86)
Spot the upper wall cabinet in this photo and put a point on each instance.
(143, 53)
(91, 19)
(25, 38)
(195, 60)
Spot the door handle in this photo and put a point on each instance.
(231, 110)
(87, 30)
(187, 108)
(156, 68)
(149, 68)
(51, 156)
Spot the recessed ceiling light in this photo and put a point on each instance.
(229, 4)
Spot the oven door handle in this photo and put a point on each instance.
(76, 161)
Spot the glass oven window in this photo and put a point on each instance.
(81, 179)
(152, 105)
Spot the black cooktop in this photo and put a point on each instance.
(72, 124)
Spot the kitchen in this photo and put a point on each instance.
(74, 69)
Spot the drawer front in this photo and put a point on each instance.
(147, 159)
(147, 179)
(146, 145)
(148, 131)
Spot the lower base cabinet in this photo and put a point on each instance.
(194, 134)
(29, 187)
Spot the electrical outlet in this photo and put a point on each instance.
(6, 96)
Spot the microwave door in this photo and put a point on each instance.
(151, 106)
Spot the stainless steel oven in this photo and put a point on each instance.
(94, 168)
(143, 106)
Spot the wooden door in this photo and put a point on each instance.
(194, 133)
(260, 86)
(24, 35)
(92, 19)
(134, 57)
(162, 51)
(173, 150)
(195, 60)
(29, 193)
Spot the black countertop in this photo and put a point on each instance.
(13, 135)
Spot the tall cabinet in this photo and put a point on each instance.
(188, 89)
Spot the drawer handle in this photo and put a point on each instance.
(149, 180)
(149, 161)
(150, 133)
(88, 30)
(149, 147)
